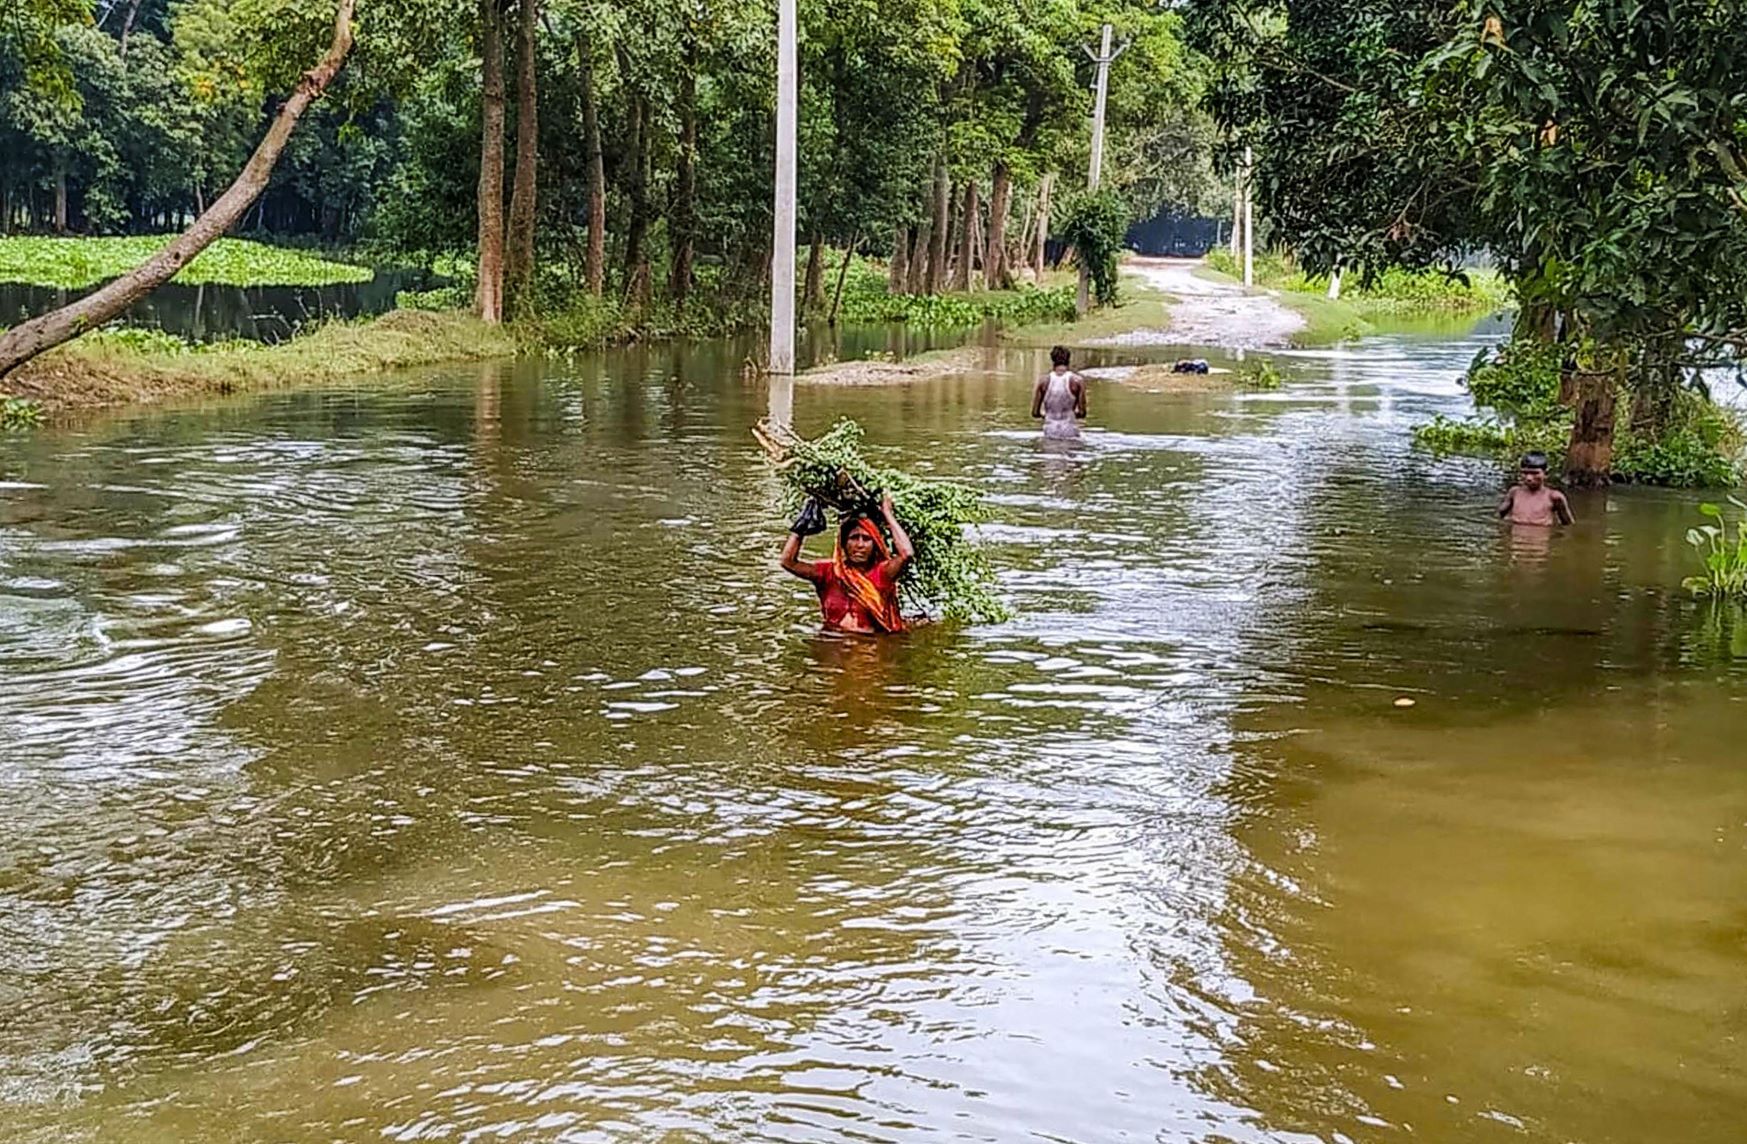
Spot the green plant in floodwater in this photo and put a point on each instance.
(17, 413)
(75, 263)
(1262, 375)
(1722, 549)
(948, 576)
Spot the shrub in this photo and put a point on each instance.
(1095, 224)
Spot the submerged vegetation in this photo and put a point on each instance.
(77, 263)
(949, 576)
(1722, 550)
(1683, 441)
(19, 413)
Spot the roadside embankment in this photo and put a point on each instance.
(104, 370)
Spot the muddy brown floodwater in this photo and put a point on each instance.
(448, 760)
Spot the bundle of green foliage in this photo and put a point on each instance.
(1516, 390)
(1723, 554)
(948, 576)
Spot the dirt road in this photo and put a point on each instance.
(1206, 313)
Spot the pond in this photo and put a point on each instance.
(446, 758)
(215, 313)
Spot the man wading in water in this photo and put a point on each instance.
(1530, 501)
(1060, 398)
(858, 586)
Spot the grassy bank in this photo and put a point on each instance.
(128, 366)
(1138, 307)
(133, 366)
(78, 263)
(1395, 294)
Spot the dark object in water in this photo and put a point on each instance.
(1190, 365)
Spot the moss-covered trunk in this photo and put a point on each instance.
(1591, 383)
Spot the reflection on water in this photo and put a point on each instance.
(209, 313)
(450, 760)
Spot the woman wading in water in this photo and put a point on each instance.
(1060, 398)
(858, 586)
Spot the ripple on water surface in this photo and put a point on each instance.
(450, 761)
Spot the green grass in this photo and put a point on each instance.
(76, 263)
(1138, 307)
(1393, 295)
(1391, 292)
(118, 367)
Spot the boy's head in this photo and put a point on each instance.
(1059, 357)
(1534, 470)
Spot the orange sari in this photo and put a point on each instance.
(877, 596)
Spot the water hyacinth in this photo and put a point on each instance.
(76, 263)
(949, 576)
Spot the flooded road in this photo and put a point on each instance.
(448, 760)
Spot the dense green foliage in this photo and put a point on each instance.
(127, 117)
(1722, 551)
(75, 263)
(867, 297)
(1594, 147)
(948, 576)
(1516, 389)
(1095, 227)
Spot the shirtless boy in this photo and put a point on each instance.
(1530, 501)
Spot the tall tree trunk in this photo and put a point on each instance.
(813, 294)
(1594, 389)
(918, 280)
(898, 271)
(996, 272)
(842, 274)
(60, 197)
(28, 339)
(133, 10)
(637, 232)
(942, 221)
(519, 258)
(685, 189)
(488, 294)
(967, 250)
(1043, 204)
(595, 265)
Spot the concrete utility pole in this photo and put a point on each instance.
(1103, 58)
(782, 248)
(1249, 221)
(1237, 215)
